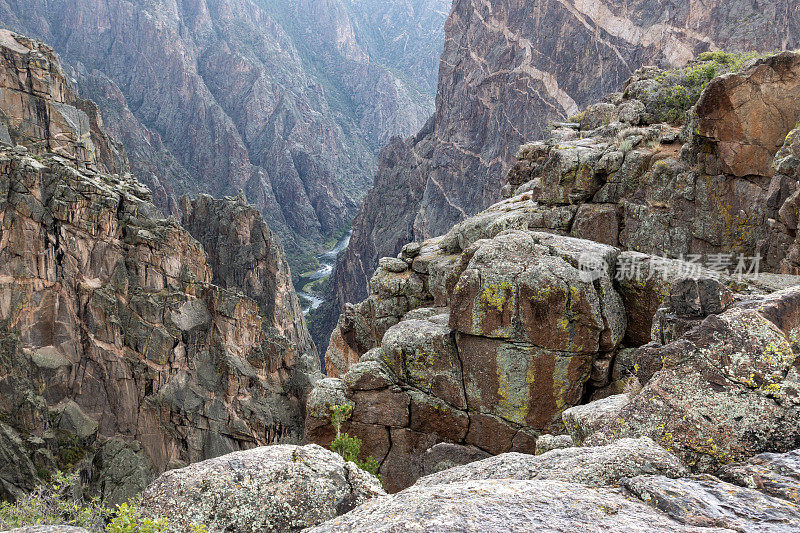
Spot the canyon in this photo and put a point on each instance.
(509, 69)
(571, 301)
(128, 346)
(283, 100)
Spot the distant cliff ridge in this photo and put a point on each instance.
(508, 69)
(283, 100)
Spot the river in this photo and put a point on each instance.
(326, 263)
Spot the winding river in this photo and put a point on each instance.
(326, 264)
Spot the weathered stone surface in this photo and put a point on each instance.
(584, 420)
(542, 322)
(704, 501)
(119, 356)
(500, 56)
(445, 456)
(508, 505)
(776, 474)
(245, 254)
(545, 443)
(274, 488)
(728, 389)
(40, 109)
(593, 466)
(748, 131)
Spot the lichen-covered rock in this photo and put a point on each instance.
(541, 322)
(274, 488)
(545, 443)
(593, 466)
(583, 421)
(747, 132)
(728, 389)
(494, 506)
(446, 455)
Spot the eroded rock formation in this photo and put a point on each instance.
(548, 492)
(286, 100)
(119, 356)
(616, 231)
(272, 488)
(507, 71)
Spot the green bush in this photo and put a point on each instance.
(58, 502)
(349, 447)
(681, 87)
(129, 520)
(54, 502)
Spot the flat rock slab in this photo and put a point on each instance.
(491, 506)
(595, 466)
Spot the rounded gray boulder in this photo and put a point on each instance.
(272, 488)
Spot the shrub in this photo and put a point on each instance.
(681, 88)
(54, 502)
(626, 146)
(57, 502)
(128, 519)
(349, 447)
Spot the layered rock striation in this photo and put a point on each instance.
(119, 355)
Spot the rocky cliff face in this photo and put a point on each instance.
(119, 354)
(276, 98)
(508, 69)
(620, 261)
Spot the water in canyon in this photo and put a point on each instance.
(312, 300)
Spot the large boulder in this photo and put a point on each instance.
(728, 389)
(595, 466)
(494, 506)
(273, 488)
(747, 116)
(777, 474)
(705, 501)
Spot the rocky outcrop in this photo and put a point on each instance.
(245, 254)
(593, 466)
(616, 231)
(512, 493)
(724, 391)
(41, 110)
(119, 356)
(274, 488)
(507, 71)
(280, 99)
